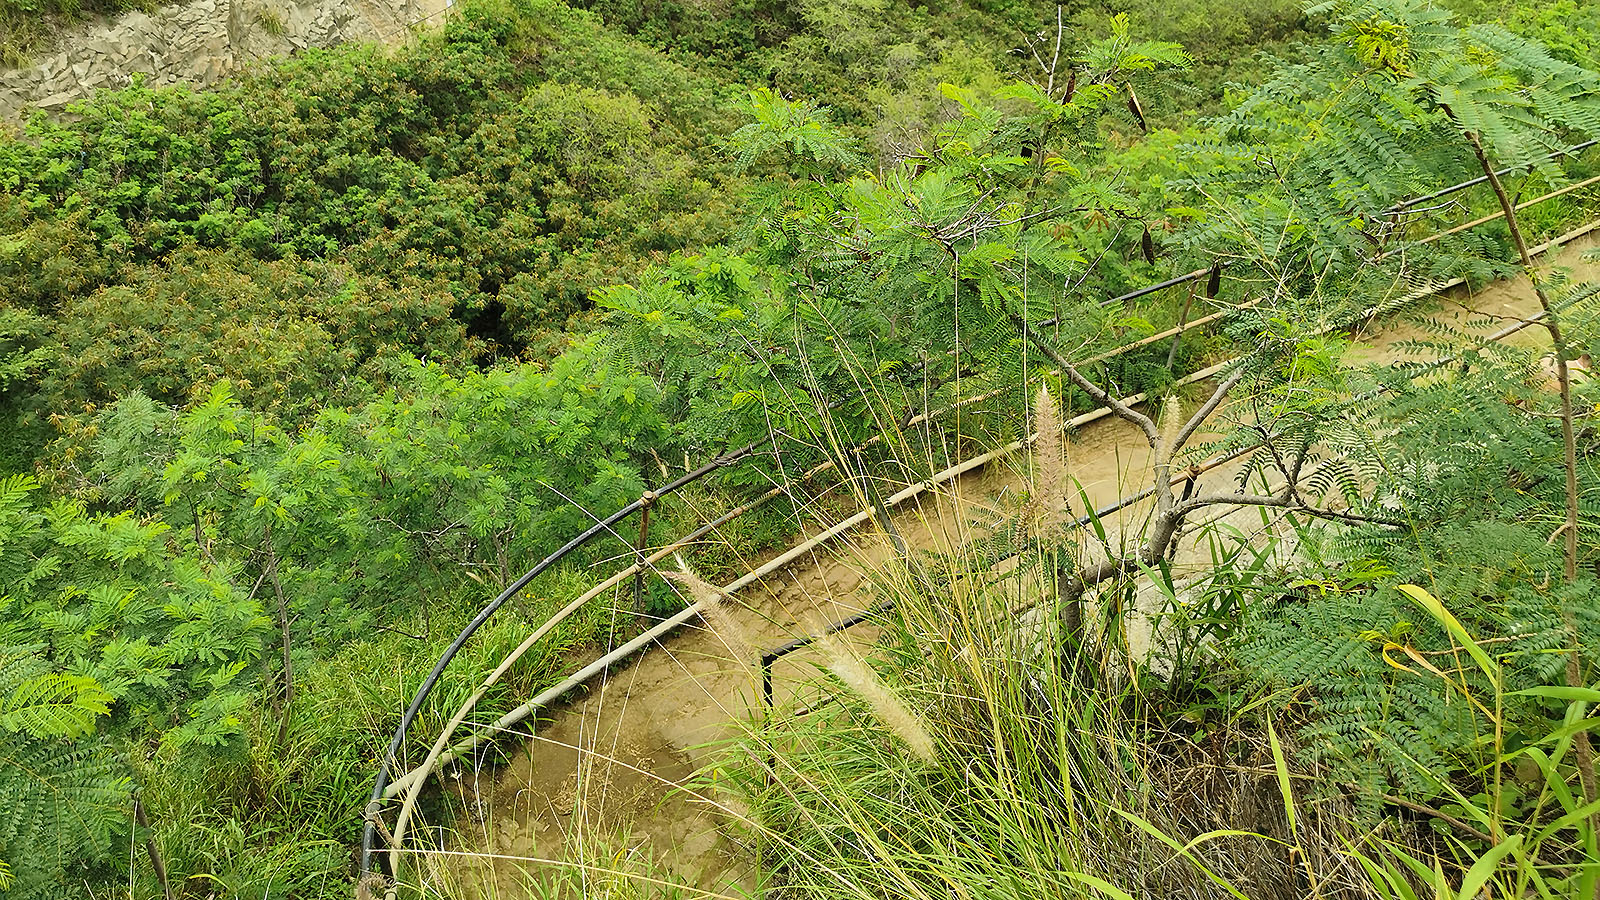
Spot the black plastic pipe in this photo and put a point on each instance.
(369, 833)
(1151, 289)
(1404, 205)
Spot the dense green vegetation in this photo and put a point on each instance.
(295, 373)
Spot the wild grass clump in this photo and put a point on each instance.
(598, 866)
(1047, 781)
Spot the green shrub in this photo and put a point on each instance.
(292, 335)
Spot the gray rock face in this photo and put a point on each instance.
(200, 42)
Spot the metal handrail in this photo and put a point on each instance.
(391, 756)
(1404, 205)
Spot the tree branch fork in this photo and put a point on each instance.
(1170, 511)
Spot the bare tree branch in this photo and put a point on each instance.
(1122, 410)
(1164, 527)
(1207, 408)
(1287, 500)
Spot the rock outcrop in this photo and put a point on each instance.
(200, 41)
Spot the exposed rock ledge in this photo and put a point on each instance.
(200, 41)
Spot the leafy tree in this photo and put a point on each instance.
(1568, 29)
(473, 474)
(800, 126)
(294, 336)
(22, 358)
(165, 636)
(361, 202)
(912, 277)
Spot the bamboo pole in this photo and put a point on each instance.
(583, 675)
(419, 775)
(1498, 215)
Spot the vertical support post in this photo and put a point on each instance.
(767, 659)
(646, 500)
(1213, 287)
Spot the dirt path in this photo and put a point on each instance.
(596, 784)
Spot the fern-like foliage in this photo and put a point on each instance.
(21, 354)
(1460, 451)
(62, 794)
(798, 126)
(1306, 176)
(1386, 702)
(54, 704)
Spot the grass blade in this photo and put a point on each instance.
(1284, 787)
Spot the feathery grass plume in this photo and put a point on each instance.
(860, 678)
(714, 609)
(1050, 460)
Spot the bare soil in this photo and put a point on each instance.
(602, 780)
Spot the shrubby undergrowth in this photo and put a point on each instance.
(295, 373)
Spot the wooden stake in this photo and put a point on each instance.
(1183, 322)
(647, 500)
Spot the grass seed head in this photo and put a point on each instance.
(1050, 460)
(864, 682)
(1170, 423)
(714, 609)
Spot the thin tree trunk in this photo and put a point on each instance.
(283, 625)
(1552, 324)
(150, 848)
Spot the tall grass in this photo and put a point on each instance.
(1552, 852)
(976, 752)
(31, 27)
(1054, 775)
(1061, 766)
(997, 742)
